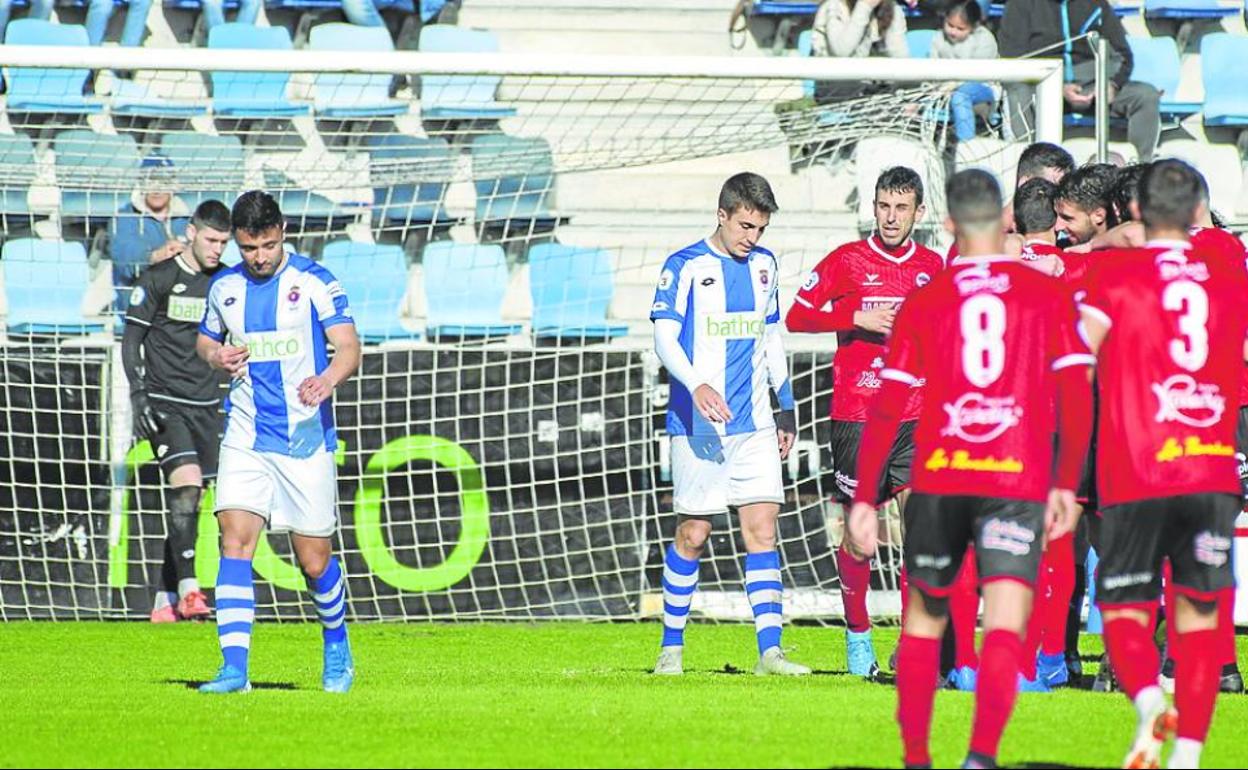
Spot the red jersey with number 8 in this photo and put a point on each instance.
(987, 335)
(1169, 370)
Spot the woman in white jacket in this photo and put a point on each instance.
(856, 28)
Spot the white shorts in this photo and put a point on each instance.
(710, 473)
(292, 494)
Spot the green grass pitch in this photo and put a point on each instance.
(533, 695)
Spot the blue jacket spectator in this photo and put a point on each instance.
(150, 230)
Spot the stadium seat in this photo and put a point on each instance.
(460, 96)
(17, 162)
(136, 99)
(375, 279)
(1157, 63)
(464, 288)
(47, 90)
(353, 96)
(305, 209)
(409, 175)
(514, 178)
(783, 8)
(44, 283)
(1225, 78)
(919, 42)
(571, 289)
(1189, 9)
(255, 95)
(207, 166)
(96, 172)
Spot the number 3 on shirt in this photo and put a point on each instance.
(983, 346)
(1188, 298)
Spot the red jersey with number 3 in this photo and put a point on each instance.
(869, 275)
(1169, 369)
(987, 335)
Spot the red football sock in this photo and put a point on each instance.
(1060, 558)
(1132, 654)
(918, 665)
(1196, 682)
(995, 689)
(855, 580)
(1035, 630)
(1226, 627)
(964, 611)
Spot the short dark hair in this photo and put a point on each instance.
(256, 211)
(1041, 155)
(967, 9)
(974, 198)
(1033, 206)
(1088, 187)
(749, 190)
(211, 213)
(900, 179)
(1170, 192)
(1126, 189)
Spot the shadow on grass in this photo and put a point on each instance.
(193, 684)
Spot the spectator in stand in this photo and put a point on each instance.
(1056, 27)
(100, 11)
(963, 36)
(367, 13)
(151, 229)
(214, 12)
(856, 28)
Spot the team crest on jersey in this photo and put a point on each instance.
(293, 296)
(922, 279)
(1183, 400)
(178, 288)
(137, 296)
(762, 277)
(812, 280)
(978, 419)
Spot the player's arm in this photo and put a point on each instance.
(210, 344)
(670, 297)
(1123, 236)
(1071, 362)
(828, 285)
(778, 376)
(1095, 324)
(346, 360)
(141, 311)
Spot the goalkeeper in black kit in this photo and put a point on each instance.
(176, 397)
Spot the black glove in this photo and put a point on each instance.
(146, 420)
(786, 421)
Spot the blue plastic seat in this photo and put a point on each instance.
(96, 172)
(256, 95)
(375, 279)
(919, 41)
(460, 96)
(1222, 58)
(208, 167)
(1188, 9)
(353, 96)
(44, 283)
(17, 169)
(46, 90)
(195, 5)
(572, 289)
(409, 175)
(464, 288)
(783, 8)
(1157, 63)
(514, 178)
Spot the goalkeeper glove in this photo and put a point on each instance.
(146, 420)
(786, 421)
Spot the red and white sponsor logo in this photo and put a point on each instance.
(978, 419)
(869, 379)
(1193, 271)
(1183, 400)
(875, 303)
(977, 281)
(1212, 549)
(1008, 536)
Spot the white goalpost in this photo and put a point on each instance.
(499, 222)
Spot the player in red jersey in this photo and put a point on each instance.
(1168, 327)
(997, 345)
(1036, 220)
(855, 291)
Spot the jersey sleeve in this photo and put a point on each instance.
(1065, 346)
(145, 299)
(773, 304)
(827, 283)
(904, 363)
(330, 300)
(1092, 296)
(672, 293)
(213, 325)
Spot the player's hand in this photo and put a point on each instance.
(1061, 514)
(711, 404)
(168, 251)
(231, 358)
(314, 390)
(786, 431)
(863, 529)
(1074, 96)
(878, 320)
(146, 419)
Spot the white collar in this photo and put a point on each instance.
(879, 249)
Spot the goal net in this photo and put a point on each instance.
(498, 223)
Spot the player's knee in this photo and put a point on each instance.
(691, 536)
(234, 546)
(314, 565)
